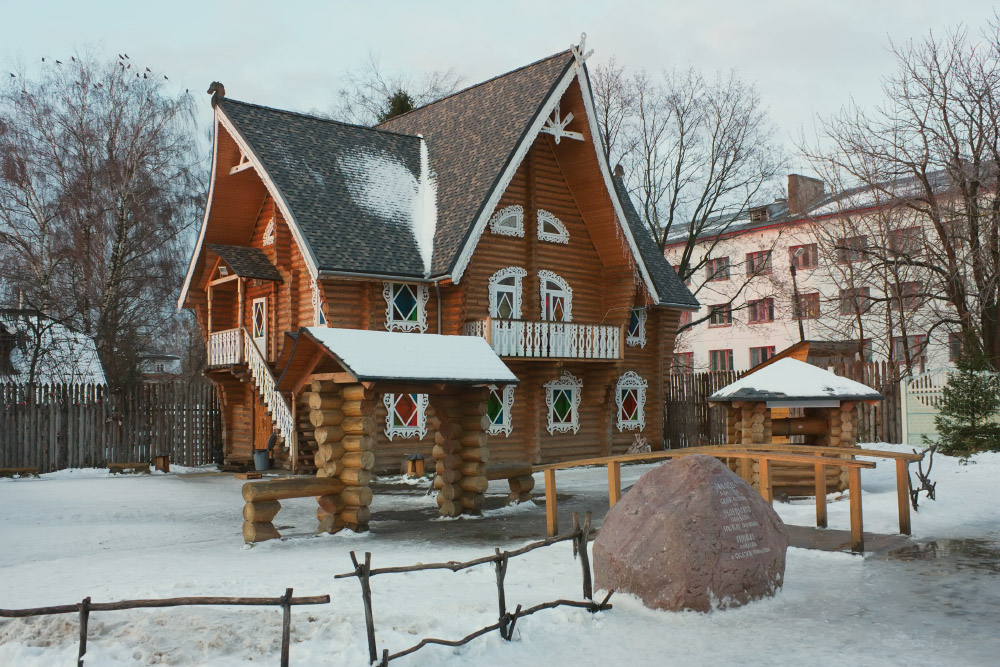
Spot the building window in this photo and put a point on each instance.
(505, 293)
(916, 346)
(631, 401)
(717, 269)
(683, 362)
(498, 407)
(720, 360)
(551, 228)
(806, 306)
(804, 256)
(405, 307)
(761, 310)
(508, 221)
(557, 298)
(905, 241)
(319, 317)
(758, 262)
(907, 295)
(855, 300)
(405, 415)
(759, 355)
(851, 249)
(562, 396)
(954, 346)
(720, 315)
(636, 334)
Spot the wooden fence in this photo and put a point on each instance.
(691, 422)
(51, 427)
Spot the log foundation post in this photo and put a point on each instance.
(460, 451)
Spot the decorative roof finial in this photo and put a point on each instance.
(217, 91)
(579, 50)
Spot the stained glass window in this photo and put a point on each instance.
(405, 415)
(505, 293)
(562, 396)
(405, 307)
(557, 298)
(498, 409)
(631, 401)
(636, 328)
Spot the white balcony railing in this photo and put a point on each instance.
(563, 340)
(225, 347)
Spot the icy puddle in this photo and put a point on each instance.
(954, 555)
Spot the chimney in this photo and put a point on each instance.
(803, 192)
(619, 171)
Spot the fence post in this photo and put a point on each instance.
(362, 572)
(580, 543)
(286, 625)
(84, 617)
(501, 568)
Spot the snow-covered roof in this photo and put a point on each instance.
(790, 380)
(409, 357)
(66, 356)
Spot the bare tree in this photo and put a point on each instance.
(100, 184)
(930, 153)
(367, 94)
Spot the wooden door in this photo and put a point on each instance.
(258, 323)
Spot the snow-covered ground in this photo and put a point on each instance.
(77, 533)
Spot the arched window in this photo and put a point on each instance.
(551, 228)
(498, 408)
(505, 293)
(630, 397)
(508, 221)
(562, 396)
(557, 298)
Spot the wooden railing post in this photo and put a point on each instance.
(551, 513)
(857, 527)
(903, 495)
(765, 478)
(820, 483)
(286, 625)
(84, 618)
(614, 482)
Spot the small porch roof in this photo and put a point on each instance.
(393, 357)
(789, 382)
(246, 262)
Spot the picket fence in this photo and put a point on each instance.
(52, 427)
(692, 422)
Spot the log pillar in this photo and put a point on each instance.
(343, 421)
(460, 451)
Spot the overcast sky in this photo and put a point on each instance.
(805, 57)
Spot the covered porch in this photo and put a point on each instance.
(344, 374)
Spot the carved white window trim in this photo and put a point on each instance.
(506, 396)
(515, 272)
(631, 381)
(392, 431)
(420, 295)
(515, 213)
(569, 383)
(639, 337)
(269, 233)
(319, 317)
(561, 235)
(543, 277)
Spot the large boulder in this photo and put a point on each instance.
(691, 535)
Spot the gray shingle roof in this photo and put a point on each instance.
(668, 284)
(348, 187)
(246, 262)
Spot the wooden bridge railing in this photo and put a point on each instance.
(759, 454)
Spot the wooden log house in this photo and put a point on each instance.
(492, 213)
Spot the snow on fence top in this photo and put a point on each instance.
(789, 380)
(393, 355)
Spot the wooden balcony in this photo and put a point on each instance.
(225, 348)
(550, 340)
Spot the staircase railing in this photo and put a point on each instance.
(281, 414)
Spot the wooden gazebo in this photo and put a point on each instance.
(816, 406)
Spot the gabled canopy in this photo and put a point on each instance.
(392, 356)
(246, 262)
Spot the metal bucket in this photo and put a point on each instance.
(260, 460)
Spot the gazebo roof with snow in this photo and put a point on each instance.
(790, 383)
(392, 359)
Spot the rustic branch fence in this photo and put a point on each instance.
(580, 537)
(51, 427)
(84, 608)
(691, 422)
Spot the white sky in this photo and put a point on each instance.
(805, 57)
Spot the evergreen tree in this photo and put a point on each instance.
(399, 103)
(967, 422)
